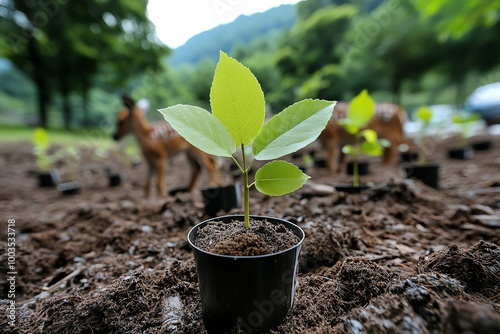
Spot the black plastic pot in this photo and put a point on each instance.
(461, 153)
(115, 180)
(408, 157)
(218, 199)
(69, 188)
(427, 173)
(482, 145)
(252, 294)
(320, 163)
(362, 168)
(350, 188)
(48, 179)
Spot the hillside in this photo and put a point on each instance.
(241, 31)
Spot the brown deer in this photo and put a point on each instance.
(387, 122)
(158, 142)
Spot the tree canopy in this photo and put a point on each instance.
(63, 47)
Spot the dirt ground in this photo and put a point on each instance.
(398, 258)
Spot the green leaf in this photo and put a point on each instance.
(384, 142)
(348, 149)
(370, 135)
(237, 100)
(371, 148)
(349, 125)
(290, 130)
(201, 129)
(361, 109)
(424, 114)
(465, 118)
(277, 178)
(474, 117)
(41, 139)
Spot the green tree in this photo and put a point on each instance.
(387, 47)
(469, 36)
(64, 47)
(307, 53)
(456, 18)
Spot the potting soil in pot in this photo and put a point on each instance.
(234, 239)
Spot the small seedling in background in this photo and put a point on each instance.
(308, 160)
(69, 157)
(99, 154)
(465, 120)
(41, 145)
(237, 122)
(360, 112)
(423, 115)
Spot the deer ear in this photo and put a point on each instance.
(128, 101)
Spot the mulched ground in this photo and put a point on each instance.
(398, 258)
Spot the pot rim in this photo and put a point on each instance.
(191, 232)
(227, 186)
(361, 185)
(424, 165)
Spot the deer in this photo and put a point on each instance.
(159, 142)
(387, 122)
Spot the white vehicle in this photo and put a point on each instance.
(485, 100)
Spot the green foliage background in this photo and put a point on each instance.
(408, 52)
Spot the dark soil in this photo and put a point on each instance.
(397, 258)
(261, 238)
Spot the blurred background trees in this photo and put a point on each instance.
(71, 62)
(66, 49)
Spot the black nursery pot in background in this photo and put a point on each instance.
(483, 145)
(115, 180)
(461, 153)
(221, 198)
(320, 163)
(48, 179)
(427, 173)
(252, 294)
(350, 188)
(362, 168)
(408, 157)
(69, 188)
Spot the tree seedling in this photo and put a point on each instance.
(41, 145)
(360, 112)
(465, 120)
(237, 122)
(423, 115)
(69, 156)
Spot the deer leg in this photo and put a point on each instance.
(329, 146)
(149, 177)
(160, 179)
(211, 165)
(195, 171)
(389, 154)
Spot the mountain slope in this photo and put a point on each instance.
(241, 31)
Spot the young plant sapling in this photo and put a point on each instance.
(465, 121)
(424, 116)
(41, 145)
(360, 112)
(237, 122)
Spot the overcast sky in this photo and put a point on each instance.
(177, 21)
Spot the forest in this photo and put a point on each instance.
(65, 66)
